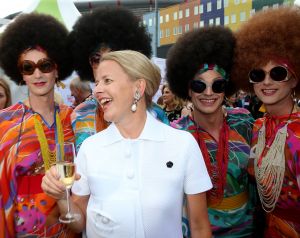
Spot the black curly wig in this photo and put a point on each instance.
(29, 31)
(117, 28)
(211, 45)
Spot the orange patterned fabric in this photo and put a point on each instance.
(32, 212)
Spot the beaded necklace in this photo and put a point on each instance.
(269, 165)
(218, 171)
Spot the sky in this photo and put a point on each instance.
(12, 6)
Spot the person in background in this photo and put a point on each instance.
(243, 100)
(32, 128)
(80, 90)
(172, 105)
(231, 101)
(120, 189)
(198, 68)
(5, 94)
(95, 33)
(267, 62)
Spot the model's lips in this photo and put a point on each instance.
(207, 102)
(269, 92)
(39, 84)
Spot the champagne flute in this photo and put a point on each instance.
(65, 154)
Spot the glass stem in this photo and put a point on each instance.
(68, 203)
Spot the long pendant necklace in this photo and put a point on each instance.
(49, 157)
(269, 165)
(218, 170)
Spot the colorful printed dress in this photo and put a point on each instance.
(24, 209)
(87, 119)
(233, 216)
(284, 220)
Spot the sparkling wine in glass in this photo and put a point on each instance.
(66, 168)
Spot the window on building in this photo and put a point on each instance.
(226, 20)
(196, 10)
(252, 12)
(208, 7)
(186, 27)
(219, 4)
(275, 6)
(161, 34)
(179, 29)
(225, 3)
(144, 23)
(180, 14)
(201, 24)
(167, 17)
(175, 16)
(174, 30)
(218, 21)
(265, 8)
(236, 2)
(195, 26)
(187, 12)
(150, 21)
(201, 8)
(167, 32)
(242, 16)
(233, 18)
(161, 19)
(244, 1)
(211, 22)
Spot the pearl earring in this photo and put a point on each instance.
(136, 97)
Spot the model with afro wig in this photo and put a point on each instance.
(198, 68)
(33, 52)
(267, 62)
(113, 28)
(30, 31)
(212, 45)
(274, 34)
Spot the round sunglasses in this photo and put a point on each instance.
(278, 74)
(217, 86)
(94, 60)
(27, 67)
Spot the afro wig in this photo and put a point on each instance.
(117, 28)
(270, 35)
(208, 45)
(30, 31)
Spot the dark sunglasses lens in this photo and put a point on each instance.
(94, 60)
(278, 73)
(257, 75)
(198, 86)
(46, 66)
(27, 68)
(219, 86)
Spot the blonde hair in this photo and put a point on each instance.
(5, 85)
(137, 66)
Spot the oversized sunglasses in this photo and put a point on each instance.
(278, 74)
(94, 60)
(217, 86)
(27, 67)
